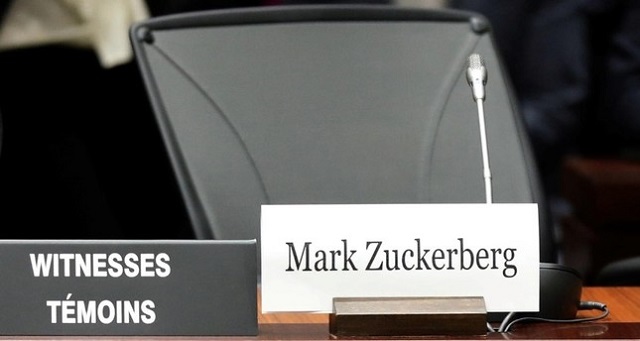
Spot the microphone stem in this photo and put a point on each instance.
(485, 152)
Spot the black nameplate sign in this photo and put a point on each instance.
(179, 288)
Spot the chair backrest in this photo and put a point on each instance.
(327, 105)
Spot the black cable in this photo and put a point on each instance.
(585, 305)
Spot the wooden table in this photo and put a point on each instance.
(623, 302)
(623, 322)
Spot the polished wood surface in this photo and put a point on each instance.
(547, 331)
(623, 304)
(623, 322)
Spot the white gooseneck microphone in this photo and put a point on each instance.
(477, 79)
(477, 76)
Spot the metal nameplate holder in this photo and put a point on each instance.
(408, 316)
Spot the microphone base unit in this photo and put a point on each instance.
(407, 316)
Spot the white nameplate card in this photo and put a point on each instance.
(313, 253)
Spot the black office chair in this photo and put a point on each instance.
(625, 272)
(329, 105)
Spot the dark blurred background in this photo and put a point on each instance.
(575, 68)
(82, 158)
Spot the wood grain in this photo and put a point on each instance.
(623, 304)
(623, 323)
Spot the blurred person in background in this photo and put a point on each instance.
(575, 67)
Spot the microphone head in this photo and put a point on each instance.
(477, 76)
(475, 61)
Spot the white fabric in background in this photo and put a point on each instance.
(102, 25)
